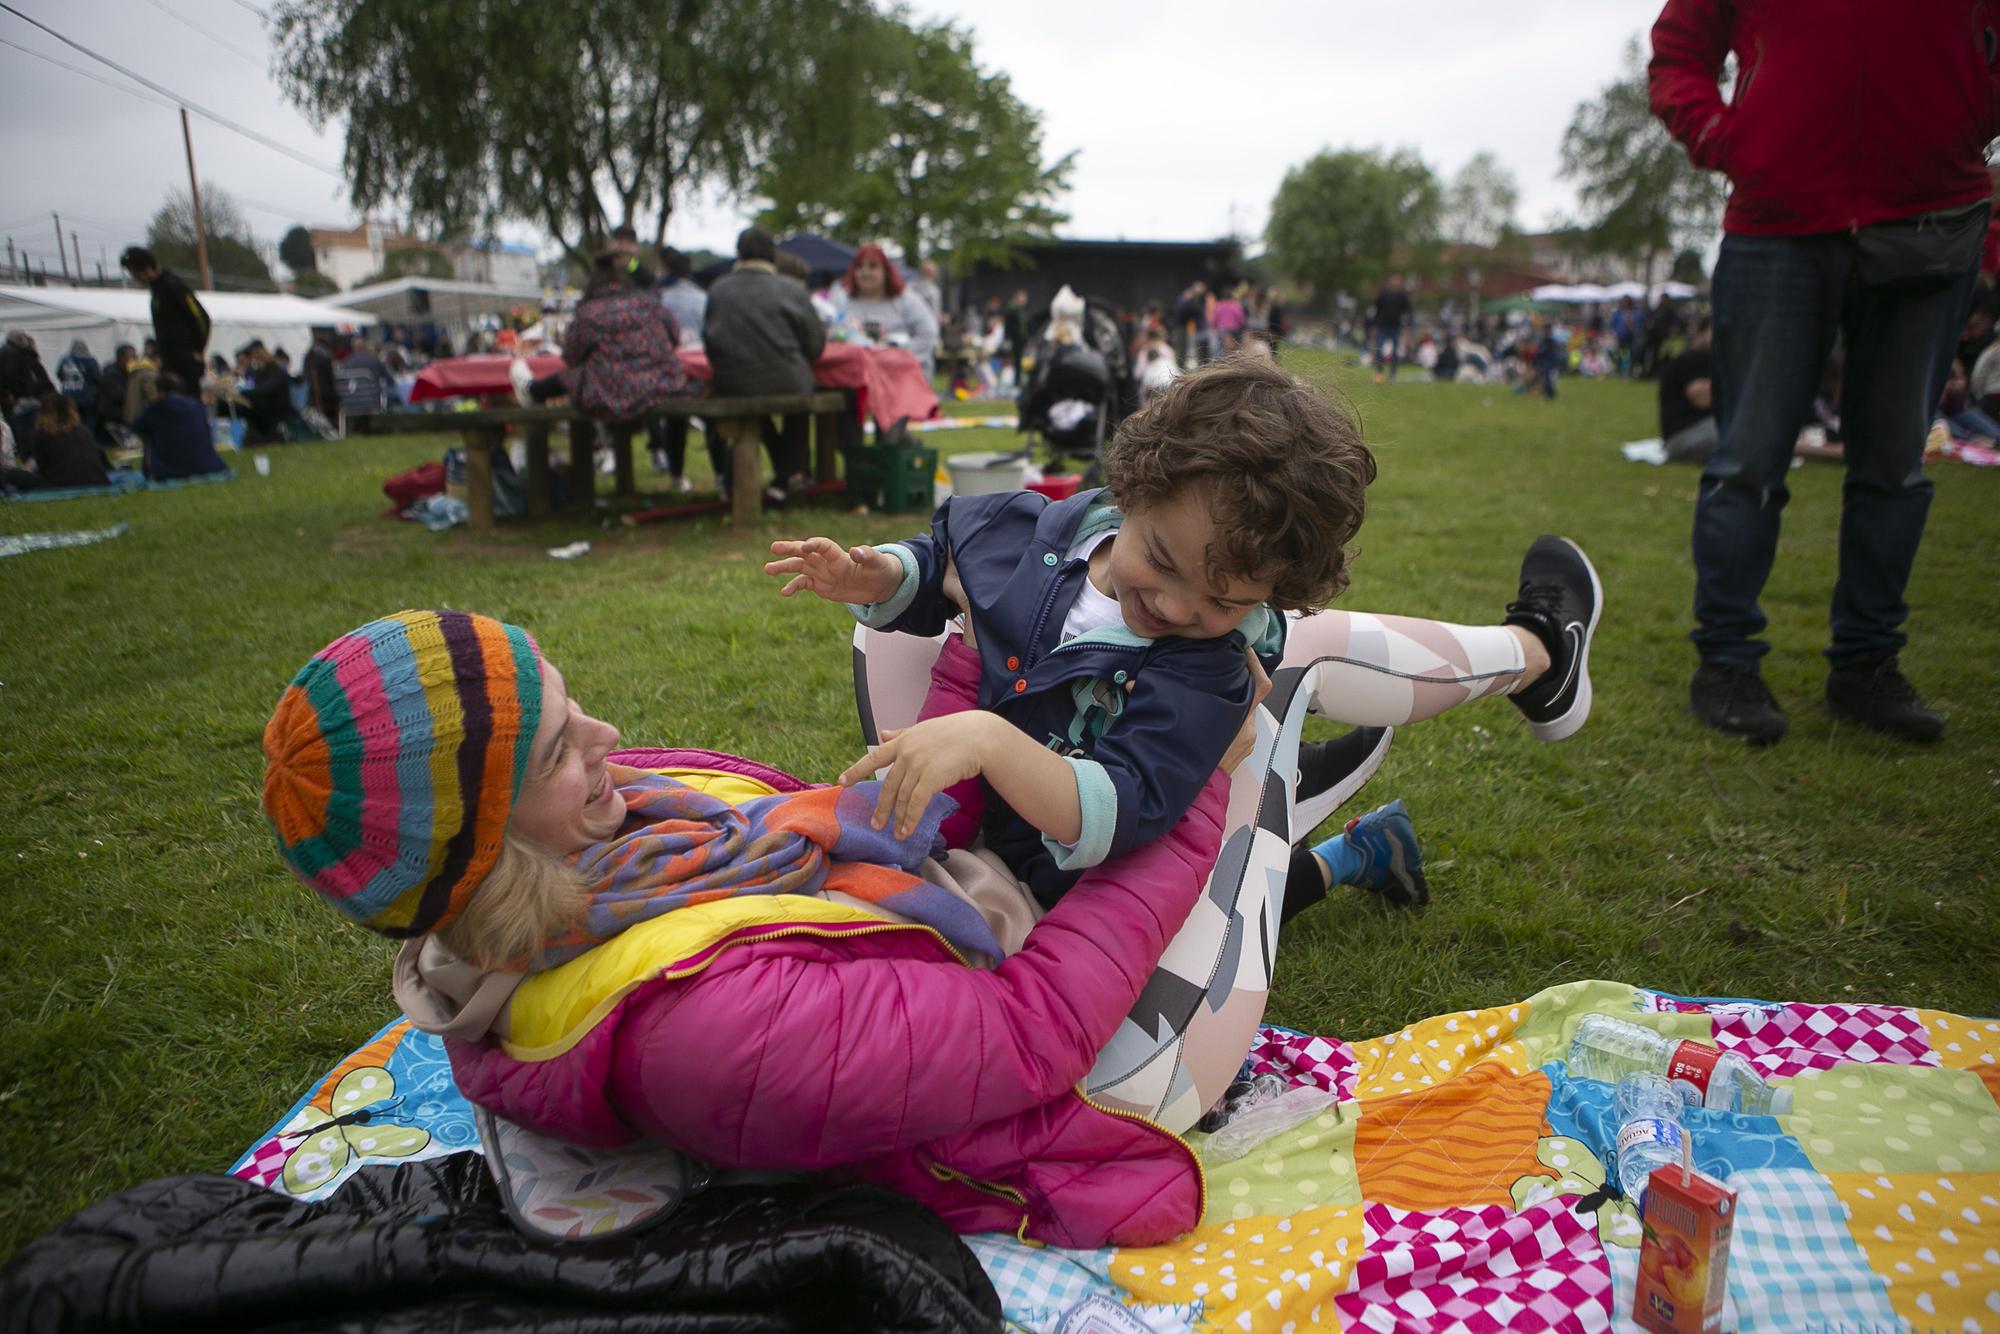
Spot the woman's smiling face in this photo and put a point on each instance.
(567, 800)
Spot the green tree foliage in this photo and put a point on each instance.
(929, 151)
(296, 250)
(411, 261)
(233, 259)
(575, 116)
(1642, 198)
(1479, 203)
(1342, 220)
(1688, 268)
(311, 282)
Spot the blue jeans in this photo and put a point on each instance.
(1779, 301)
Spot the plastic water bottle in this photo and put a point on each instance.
(1608, 1049)
(1649, 1129)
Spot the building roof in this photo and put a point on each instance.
(356, 238)
(440, 286)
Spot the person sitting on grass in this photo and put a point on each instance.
(175, 431)
(767, 986)
(1113, 643)
(62, 449)
(1687, 402)
(269, 417)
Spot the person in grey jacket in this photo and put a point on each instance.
(762, 337)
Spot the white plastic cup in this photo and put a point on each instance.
(263, 462)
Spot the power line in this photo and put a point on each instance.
(258, 10)
(95, 78)
(259, 61)
(203, 112)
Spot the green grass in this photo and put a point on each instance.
(166, 989)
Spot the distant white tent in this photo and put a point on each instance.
(104, 317)
(1573, 293)
(1674, 291)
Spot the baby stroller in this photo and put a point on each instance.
(1077, 382)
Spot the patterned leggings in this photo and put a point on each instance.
(1173, 1058)
(1387, 670)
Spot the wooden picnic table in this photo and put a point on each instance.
(737, 419)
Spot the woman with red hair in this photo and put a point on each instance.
(879, 305)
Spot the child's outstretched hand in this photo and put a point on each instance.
(924, 760)
(820, 565)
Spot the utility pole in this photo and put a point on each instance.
(77, 251)
(194, 192)
(62, 256)
(13, 270)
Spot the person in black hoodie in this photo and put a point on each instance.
(23, 381)
(180, 322)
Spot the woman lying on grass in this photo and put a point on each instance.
(612, 955)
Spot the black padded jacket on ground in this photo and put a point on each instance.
(427, 1248)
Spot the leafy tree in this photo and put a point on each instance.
(233, 258)
(933, 152)
(311, 282)
(296, 250)
(1341, 219)
(1479, 203)
(574, 116)
(412, 261)
(1689, 268)
(1641, 196)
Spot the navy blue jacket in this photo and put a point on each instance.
(1148, 750)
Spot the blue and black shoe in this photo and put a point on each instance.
(1385, 857)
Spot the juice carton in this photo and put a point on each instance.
(1684, 1256)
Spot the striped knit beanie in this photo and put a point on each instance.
(393, 761)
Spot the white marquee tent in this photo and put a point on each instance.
(104, 317)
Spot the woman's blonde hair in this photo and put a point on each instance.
(528, 899)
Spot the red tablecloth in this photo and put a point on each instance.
(890, 383)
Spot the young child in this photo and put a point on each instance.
(1103, 670)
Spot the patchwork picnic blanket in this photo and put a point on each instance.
(1439, 1191)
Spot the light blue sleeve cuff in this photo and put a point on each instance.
(875, 615)
(1098, 801)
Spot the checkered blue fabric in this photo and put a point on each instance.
(1040, 1287)
(1793, 1264)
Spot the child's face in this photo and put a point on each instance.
(568, 800)
(1159, 572)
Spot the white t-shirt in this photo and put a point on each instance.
(1092, 610)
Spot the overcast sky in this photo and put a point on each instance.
(1184, 116)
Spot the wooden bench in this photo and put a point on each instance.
(737, 420)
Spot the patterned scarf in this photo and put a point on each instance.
(680, 847)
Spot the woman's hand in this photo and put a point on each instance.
(820, 565)
(923, 760)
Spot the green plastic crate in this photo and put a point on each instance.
(894, 479)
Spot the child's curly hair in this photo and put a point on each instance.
(1284, 464)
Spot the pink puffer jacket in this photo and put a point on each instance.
(870, 1048)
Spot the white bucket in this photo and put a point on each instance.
(980, 474)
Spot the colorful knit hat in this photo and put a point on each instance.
(393, 761)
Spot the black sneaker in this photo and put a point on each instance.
(1878, 696)
(1735, 702)
(1332, 771)
(1560, 600)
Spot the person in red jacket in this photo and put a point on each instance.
(1854, 146)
